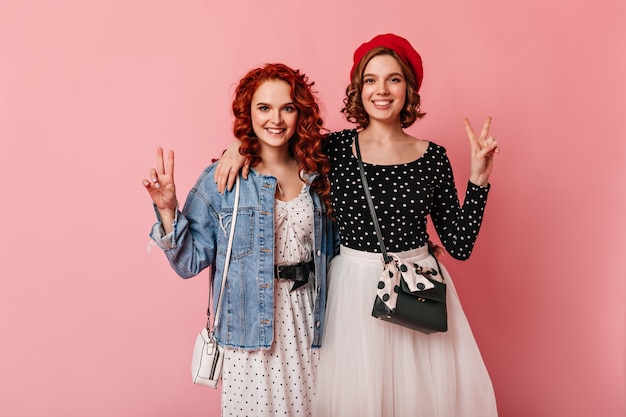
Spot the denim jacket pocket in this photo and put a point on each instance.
(244, 233)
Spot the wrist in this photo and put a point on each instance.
(479, 180)
(167, 215)
(167, 212)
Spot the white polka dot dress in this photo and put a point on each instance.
(280, 381)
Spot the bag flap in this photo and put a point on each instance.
(437, 293)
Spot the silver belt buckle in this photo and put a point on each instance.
(279, 270)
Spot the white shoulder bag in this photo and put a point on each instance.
(207, 359)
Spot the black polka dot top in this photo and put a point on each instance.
(404, 195)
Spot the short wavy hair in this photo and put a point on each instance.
(353, 105)
(308, 142)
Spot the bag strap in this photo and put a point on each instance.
(226, 263)
(370, 204)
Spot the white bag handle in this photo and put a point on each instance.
(226, 261)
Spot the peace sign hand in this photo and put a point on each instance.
(483, 149)
(161, 188)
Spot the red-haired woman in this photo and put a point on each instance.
(273, 306)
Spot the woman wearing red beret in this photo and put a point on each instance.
(369, 367)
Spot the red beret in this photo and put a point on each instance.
(400, 46)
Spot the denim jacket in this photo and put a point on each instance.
(200, 237)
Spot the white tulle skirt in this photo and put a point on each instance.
(370, 368)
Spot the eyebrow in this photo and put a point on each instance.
(269, 105)
(393, 74)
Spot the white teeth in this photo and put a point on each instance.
(275, 130)
(382, 103)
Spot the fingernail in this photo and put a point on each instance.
(154, 179)
(157, 185)
(146, 183)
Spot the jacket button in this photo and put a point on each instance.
(317, 324)
(319, 252)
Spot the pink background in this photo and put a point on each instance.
(92, 324)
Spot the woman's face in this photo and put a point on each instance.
(274, 115)
(384, 89)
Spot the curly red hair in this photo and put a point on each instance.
(307, 144)
(353, 105)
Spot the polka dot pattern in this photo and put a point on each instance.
(280, 381)
(403, 195)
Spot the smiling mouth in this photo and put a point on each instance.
(382, 103)
(275, 130)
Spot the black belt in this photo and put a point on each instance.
(299, 273)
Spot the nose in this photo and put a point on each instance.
(383, 89)
(277, 117)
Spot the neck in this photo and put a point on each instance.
(383, 132)
(275, 156)
(286, 171)
(275, 163)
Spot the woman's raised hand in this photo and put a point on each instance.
(229, 165)
(483, 149)
(161, 188)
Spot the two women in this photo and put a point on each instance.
(369, 367)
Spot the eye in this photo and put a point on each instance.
(263, 108)
(368, 80)
(396, 80)
(289, 109)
